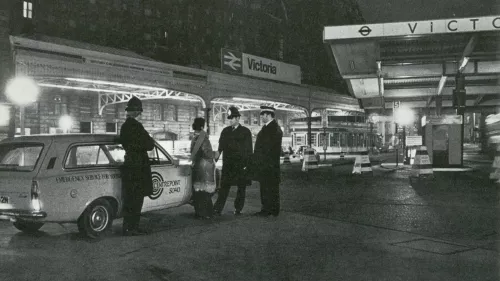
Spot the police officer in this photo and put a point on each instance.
(235, 143)
(266, 163)
(136, 180)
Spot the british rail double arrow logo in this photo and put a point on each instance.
(232, 61)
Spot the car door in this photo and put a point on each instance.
(77, 174)
(171, 182)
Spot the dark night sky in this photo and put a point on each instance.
(378, 11)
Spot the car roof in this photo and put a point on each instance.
(44, 138)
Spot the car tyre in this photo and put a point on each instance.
(28, 226)
(96, 219)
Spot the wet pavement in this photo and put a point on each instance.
(334, 226)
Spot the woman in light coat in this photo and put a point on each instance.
(203, 176)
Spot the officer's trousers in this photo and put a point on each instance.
(270, 197)
(133, 200)
(239, 202)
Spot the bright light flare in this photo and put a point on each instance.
(464, 63)
(35, 203)
(4, 115)
(65, 123)
(404, 116)
(492, 119)
(495, 139)
(22, 90)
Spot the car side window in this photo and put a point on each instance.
(117, 152)
(86, 155)
(156, 156)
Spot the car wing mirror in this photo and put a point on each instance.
(175, 162)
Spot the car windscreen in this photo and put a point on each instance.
(19, 156)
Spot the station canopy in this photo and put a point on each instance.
(221, 105)
(414, 62)
(115, 76)
(114, 93)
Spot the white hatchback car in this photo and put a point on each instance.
(77, 178)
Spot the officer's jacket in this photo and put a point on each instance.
(266, 155)
(136, 141)
(236, 148)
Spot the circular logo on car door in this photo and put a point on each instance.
(157, 186)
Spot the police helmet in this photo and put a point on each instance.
(134, 104)
(233, 112)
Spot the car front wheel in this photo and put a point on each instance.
(97, 219)
(27, 226)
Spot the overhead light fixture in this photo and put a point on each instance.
(273, 102)
(251, 100)
(242, 106)
(118, 84)
(465, 60)
(82, 88)
(253, 106)
(142, 95)
(258, 101)
(291, 109)
(404, 115)
(180, 98)
(224, 102)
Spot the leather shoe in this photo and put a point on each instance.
(134, 232)
(237, 213)
(262, 214)
(200, 217)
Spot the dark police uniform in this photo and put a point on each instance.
(136, 180)
(236, 146)
(266, 167)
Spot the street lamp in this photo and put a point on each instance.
(65, 123)
(404, 116)
(22, 91)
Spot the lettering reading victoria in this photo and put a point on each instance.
(260, 66)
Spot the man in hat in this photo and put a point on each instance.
(235, 143)
(266, 162)
(136, 179)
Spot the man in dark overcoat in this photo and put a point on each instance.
(266, 163)
(235, 143)
(136, 175)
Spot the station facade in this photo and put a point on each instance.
(91, 84)
(90, 77)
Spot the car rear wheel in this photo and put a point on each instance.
(97, 219)
(27, 226)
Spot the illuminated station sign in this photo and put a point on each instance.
(412, 28)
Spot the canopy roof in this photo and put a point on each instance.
(414, 62)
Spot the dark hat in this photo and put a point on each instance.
(233, 112)
(266, 109)
(198, 123)
(134, 104)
